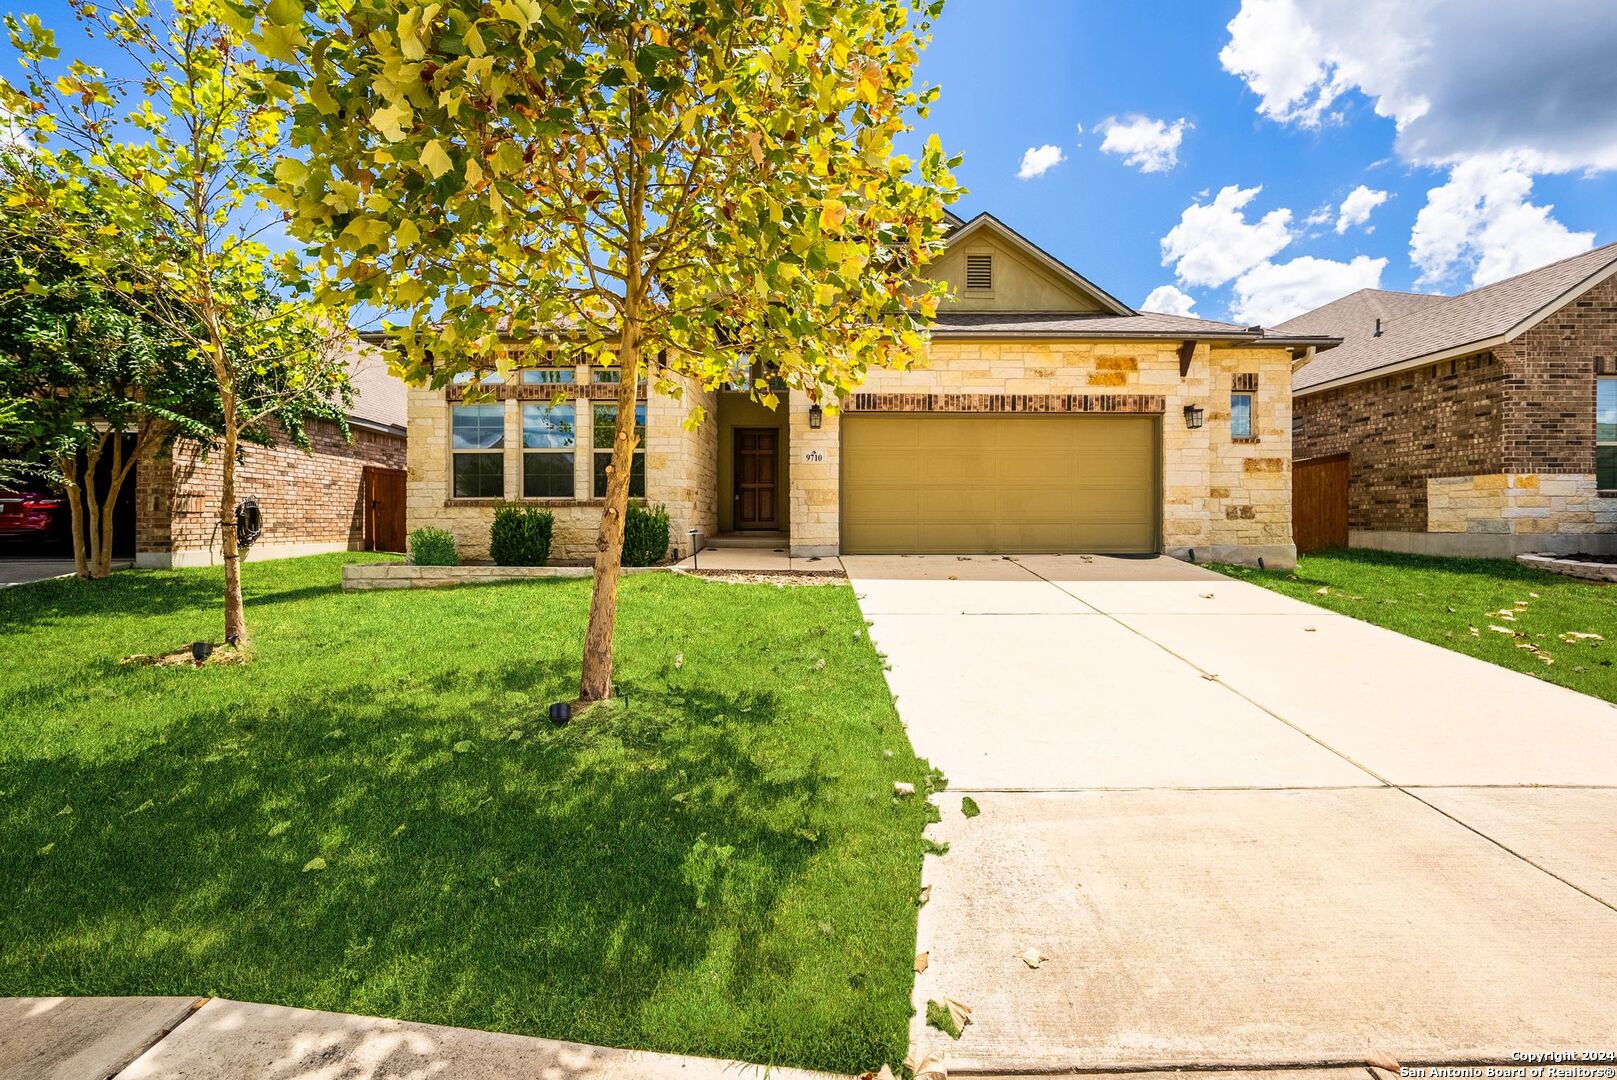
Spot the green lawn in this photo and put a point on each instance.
(1442, 600)
(716, 866)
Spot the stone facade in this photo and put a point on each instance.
(1520, 512)
(1221, 497)
(311, 502)
(680, 469)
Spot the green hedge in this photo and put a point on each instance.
(520, 535)
(433, 547)
(645, 536)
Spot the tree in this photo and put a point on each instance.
(691, 188)
(153, 179)
(89, 372)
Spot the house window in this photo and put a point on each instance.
(1606, 433)
(549, 376)
(606, 419)
(1240, 416)
(606, 375)
(478, 448)
(548, 437)
(492, 378)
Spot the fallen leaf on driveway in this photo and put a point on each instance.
(883, 1073)
(923, 896)
(1383, 1061)
(1207, 596)
(1209, 676)
(932, 1065)
(921, 961)
(1310, 629)
(1032, 957)
(959, 1012)
(948, 1016)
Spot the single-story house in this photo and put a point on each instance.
(1050, 417)
(342, 495)
(1483, 424)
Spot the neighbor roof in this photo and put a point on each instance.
(379, 395)
(1418, 328)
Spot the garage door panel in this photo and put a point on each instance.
(999, 484)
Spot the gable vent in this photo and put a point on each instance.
(979, 271)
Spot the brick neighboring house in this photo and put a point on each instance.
(1483, 424)
(1050, 417)
(311, 502)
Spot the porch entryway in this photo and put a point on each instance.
(752, 457)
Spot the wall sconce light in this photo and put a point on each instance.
(1193, 416)
(816, 415)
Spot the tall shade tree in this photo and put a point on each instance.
(693, 190)
(152, 176)
(93, 383)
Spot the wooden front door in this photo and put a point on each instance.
(1319, 503)
(755, 478)
(384, 509)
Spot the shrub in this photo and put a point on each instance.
(645, 536)
(433, 547)
(520, 535)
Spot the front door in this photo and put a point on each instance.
(755, 478)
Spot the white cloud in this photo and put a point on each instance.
(1169, 301)
(1550, 91)
(1321, 215)
(1147, 144)
(1481, 219)
(1039, 160)
(1214, 243)
(1271, 293)
(1357, 207)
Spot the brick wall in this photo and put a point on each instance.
(1549, 417)
(310, 501)
(1398, 430)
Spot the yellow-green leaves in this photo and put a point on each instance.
(434, 160)
(390, 120)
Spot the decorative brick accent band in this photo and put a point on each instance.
(1606, 365)
(1006, 403)
(544, 392)
(1244, 381)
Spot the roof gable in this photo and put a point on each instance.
(1031, 279)
(1414, 332)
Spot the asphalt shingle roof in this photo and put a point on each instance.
(379, 396)
(1145, 324)
(1414, 325)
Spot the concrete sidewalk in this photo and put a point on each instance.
(1248, 833)
(198, 1039)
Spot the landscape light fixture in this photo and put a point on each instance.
(1193, 416)
(561, 712)
(816, 414)
(201, 650)
(693, 547)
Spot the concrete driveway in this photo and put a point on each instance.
(1247, 832)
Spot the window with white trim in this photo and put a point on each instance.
(606, 421)
(1606, 432)
(549, 435)
(477, 445)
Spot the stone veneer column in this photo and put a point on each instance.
(813, 474)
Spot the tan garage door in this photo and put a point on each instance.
(962, 484)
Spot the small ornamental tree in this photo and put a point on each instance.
(89, 372)
(689, 189)
(152, 178)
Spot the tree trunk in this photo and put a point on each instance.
(69, 468)
(596, 681)
(102, 566)
(92, 502)
(235, 616)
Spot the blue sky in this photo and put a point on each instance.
(1021, 74)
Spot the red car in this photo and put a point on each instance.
(34, 516)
